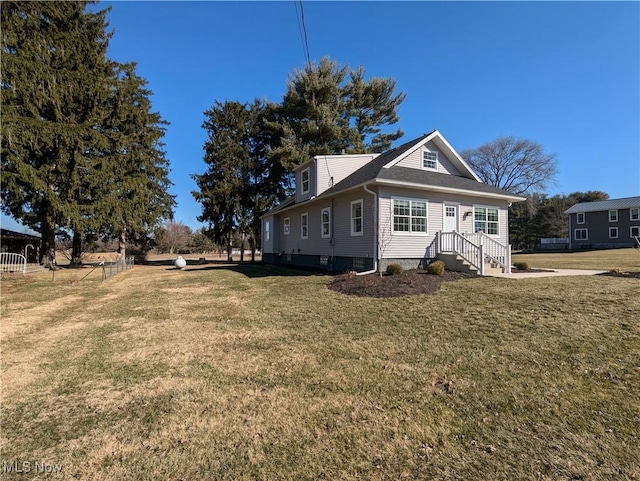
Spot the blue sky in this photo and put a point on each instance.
(565, 74)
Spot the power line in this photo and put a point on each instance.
(302, 28)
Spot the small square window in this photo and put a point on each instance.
(613, 232)
(635, 231)
(429, 160)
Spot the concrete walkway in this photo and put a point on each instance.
(553, 273)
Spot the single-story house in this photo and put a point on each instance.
(20, 243)
(604, 223)
(410, 205)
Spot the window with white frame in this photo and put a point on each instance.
(325, 223)
(635, 231)
(304, 226)
(486, 219)
(580, 234)
(287, 225)
(613, 215)
(304, 177)
(613, 232)
(429, 159)
(356, 217)
(267, 230)
(634, 214)
(580, 218)
(409, 216)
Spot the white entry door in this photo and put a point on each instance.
(450, 218)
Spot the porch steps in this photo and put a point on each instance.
(454, 262)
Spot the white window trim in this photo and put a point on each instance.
(584, 217)
(359, 201)
(302, 190)
(267, 230)
(422, 159)
(304, 215)
(426, 218)
(322, 232)
(611, 230)
(480, 206)
(586, 234)
(611, 211)
(631, 230)
(637, 212)
(286, 223)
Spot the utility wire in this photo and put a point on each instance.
(302, 28)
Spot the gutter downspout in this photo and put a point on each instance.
(375, 232)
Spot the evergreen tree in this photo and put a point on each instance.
(133, 196)
(330, 109)
(54, 76)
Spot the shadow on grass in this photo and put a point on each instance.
(249, 269)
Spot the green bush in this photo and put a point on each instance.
(521, 266)
(393, 269)
(436, 268)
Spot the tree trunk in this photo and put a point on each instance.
(230, 246)
(122, 244)
(76, 249)
(252, 245)
(242, 247)
(48, 232)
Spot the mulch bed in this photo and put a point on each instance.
(633, 275)
(408, 283)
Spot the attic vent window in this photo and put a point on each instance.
(429, 160)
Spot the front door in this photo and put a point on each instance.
(450, 218)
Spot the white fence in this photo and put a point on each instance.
(11, 262)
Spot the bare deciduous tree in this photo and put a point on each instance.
(174, 236)
(516, 165)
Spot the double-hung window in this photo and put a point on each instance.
(429, 160)
(409, 216)
(635, 231)
(613, 232)
(580, 218)
(304, 226)
(304, 177)
(287, 225)
(267, 230)
(613, 215)
(356, 217)
(485, 219)
(325, 223)
(634, 214)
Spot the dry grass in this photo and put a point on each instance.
(622, 259)
(238, 373)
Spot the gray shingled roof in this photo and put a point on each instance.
(611, 204)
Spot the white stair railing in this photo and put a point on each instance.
(11, 262)
(454, 243)
(495, 252)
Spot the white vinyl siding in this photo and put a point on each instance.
(415, 160)
(486, 219)
(325, 223)
(356, 217)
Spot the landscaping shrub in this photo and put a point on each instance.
(436, 268)
(521, 266)
(393, 269)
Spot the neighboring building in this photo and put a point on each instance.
(604, 223)
(26, 244)
(408, 205)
